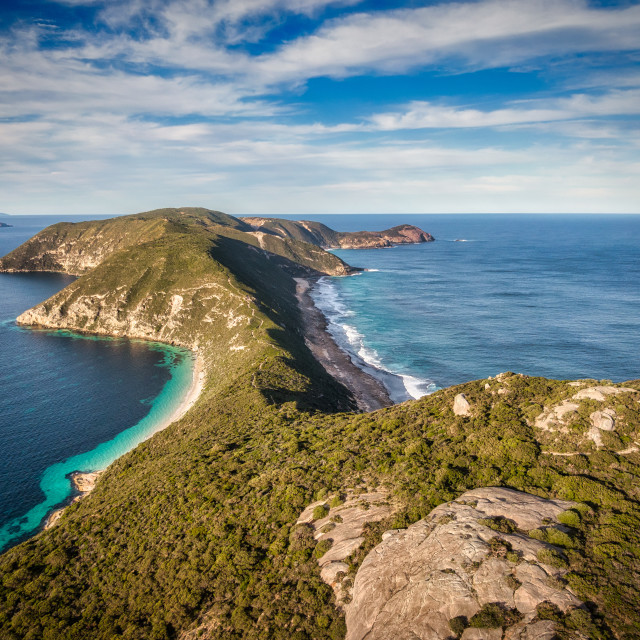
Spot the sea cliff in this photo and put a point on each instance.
(218, 525)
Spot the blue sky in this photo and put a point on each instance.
(320, 106)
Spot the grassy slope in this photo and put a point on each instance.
(195, 526)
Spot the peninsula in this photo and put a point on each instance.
(276, 508)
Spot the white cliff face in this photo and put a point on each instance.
(452, 564)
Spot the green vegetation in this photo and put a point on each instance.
(195, 528)
(458, 625)
(321, 511)
(494, 615)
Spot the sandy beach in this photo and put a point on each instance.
(369, 393)
(84, 482)
(197, 384)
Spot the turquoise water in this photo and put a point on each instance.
(550, 295)
(69, 402)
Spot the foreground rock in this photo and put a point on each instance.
(339, 529)
(470, 570)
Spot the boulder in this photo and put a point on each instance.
(461, 406)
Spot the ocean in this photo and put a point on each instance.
(68, 402)
(549, 295)
(545, 295)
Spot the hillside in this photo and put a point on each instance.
(322, 236)
(253, 515)
(78, 247)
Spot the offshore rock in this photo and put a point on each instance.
(459, 559)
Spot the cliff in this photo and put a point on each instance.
(198, 531)
(322, 236)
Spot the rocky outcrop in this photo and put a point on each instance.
(470, 570)
(564, 422)
(4, 225)
(339, 529)
(84, 482)
(403, 234)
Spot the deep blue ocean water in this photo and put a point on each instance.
(549, 295)
(68, 402)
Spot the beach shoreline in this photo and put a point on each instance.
(83, 482)
(369, 393)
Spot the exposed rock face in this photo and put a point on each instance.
(563, 425)
(453, 564)
(403, 234)
(85, 482)
(342, 526)
(461, 406)
(600, 393)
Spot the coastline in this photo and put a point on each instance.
(83, 482)
(370, 394)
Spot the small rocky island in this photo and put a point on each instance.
(506, 508)
(4, 225)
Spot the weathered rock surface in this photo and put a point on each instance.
(564, 422)
(461, 406)
(600, 393)
(85, 482)
(452, 564)
(342, 526)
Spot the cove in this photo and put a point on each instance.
(71, 402)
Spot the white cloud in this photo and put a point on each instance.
(487, 34)
(97, 126)
(425, 115)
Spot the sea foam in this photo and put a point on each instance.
(400, 386)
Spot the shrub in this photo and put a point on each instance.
(336, 501)
(553, 558)
(499, 523)
(458, 624)
(494, 615)
(570, 517)
(321, 511)
(322, 547)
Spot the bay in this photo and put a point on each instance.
(68, 402)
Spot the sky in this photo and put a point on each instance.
(320, 106)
